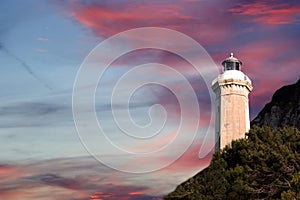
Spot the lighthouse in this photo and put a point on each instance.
(231, 87)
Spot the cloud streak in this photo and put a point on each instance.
(32, 114)
(75, 178)
(110, 17)
(26, 67)
(270, 14)
(42, 39)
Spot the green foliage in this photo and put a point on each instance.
(266, 165)
(294, 191)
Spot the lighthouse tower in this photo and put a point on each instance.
(231, 87)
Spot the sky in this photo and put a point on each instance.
(45, 47)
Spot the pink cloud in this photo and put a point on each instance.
(80, 178)
(137, 192)
(269, 65)
(190, 161)
(108, 19)
(9, 172)
(272, 14)
(42, 39)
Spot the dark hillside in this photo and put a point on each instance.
(264, 166)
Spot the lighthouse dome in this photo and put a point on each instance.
(234, 74)
(232, 63)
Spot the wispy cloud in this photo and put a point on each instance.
(42, 39)
(80, 178)
(193, 18)
(31, 114)
(264, 12)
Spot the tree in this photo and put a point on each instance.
(266, 165)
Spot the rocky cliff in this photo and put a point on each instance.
(283, 110)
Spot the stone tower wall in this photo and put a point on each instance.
(232, 110)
